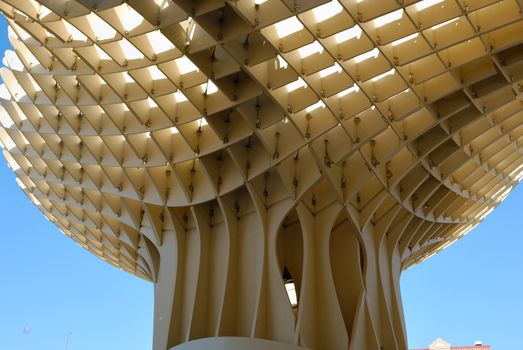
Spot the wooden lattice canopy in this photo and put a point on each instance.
(210, 145)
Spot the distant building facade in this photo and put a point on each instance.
(440, 344)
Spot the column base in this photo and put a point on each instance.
(236, 343)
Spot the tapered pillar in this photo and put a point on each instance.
(222, 275)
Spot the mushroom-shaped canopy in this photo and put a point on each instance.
(119, 118)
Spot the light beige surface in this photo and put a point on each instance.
(228, 343)
(206, 145)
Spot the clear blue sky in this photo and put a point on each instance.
(51, 285)
(472, 290)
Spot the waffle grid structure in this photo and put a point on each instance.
(209, 145)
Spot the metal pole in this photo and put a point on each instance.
(67, 341)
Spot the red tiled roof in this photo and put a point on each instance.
(471, 347)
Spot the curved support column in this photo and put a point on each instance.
(221, 276)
